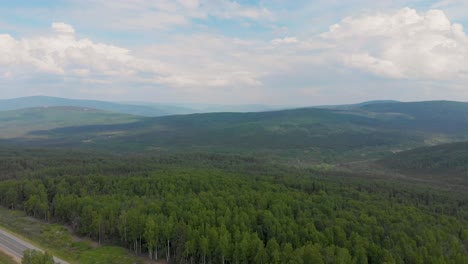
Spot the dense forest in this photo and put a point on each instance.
(449, 158)
(206, 208)
(322, 135)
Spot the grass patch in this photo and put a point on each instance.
(109, 255)
(58, 240)
(5, 259)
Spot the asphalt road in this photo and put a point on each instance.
(15, 246)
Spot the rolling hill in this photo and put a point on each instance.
(438, 116)
(192, 108)
(444, 166)
(311, 134)
(46, 101)
(133, 108)
(18, 123)
(356, 106)
(442, 159)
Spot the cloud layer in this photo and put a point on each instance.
(424, 49)
(403, 44)
(61, 53)
(146, 15)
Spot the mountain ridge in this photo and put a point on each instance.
(303, 133)
(17, 123)
(147, 109)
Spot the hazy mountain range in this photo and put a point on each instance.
(329, 134)
(132, 108)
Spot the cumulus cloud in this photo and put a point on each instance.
(207, 62)
(457, 9)
(213, 61)
(64, 54)
(403, 44)
(63, 28)
(400, 45)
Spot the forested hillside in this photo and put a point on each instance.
(129, 109)
(437, 116)
(132, 108)
(19, 123)
(205, 208)
(447, 160)
(308, 134)
(251, 187)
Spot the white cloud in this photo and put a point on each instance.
(144, 15)
(213, 61)
(374, 65)
(231, 9)
(456, 8)
(63, 54)
(191, 4)
(62, 28)
(207, 62)
(286, 40)
(403, 44)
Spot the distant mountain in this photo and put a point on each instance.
(436, 116)
(43, 101)
(213, 108)
(354, 106)
(322, 135)
(193, 108)
(132, 108)
(18, 123)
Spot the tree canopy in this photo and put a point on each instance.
(240, 211)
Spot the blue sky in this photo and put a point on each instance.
(234, 52)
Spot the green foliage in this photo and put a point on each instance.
(58, 240)
(305, 135)
(447, 163)
(436, 116)
(132, 109)
(452, 158)
(36, 257)
(19, 123)
(215, 209)
(108, 255)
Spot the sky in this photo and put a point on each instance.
(277, 52)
